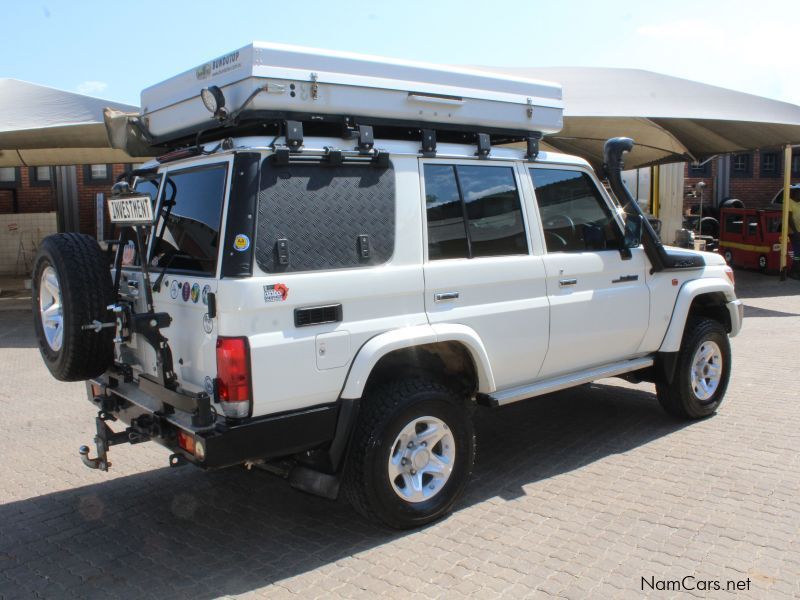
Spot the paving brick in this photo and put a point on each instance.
(575, 495)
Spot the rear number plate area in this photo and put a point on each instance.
(131, 210)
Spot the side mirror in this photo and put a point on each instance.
(634, 226)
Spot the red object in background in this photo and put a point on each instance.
(751, 238)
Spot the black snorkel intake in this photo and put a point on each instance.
(637, 225)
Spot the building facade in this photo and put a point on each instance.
(29, 209)
(752, 177)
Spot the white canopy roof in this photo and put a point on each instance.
(670, 118)
(44, 126)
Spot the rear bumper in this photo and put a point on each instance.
(223, 443)
(736, 310)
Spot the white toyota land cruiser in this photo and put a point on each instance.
(327, 277)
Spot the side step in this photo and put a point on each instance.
(562, 382)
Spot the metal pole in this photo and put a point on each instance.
(787, 185)
(655, 188)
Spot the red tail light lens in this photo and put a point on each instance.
(233, 376)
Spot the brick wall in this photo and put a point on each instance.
(33, 197)
(756, 191)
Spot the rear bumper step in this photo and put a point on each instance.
(223, 443)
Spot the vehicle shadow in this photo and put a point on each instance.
(752, 285)
(187, 533)
(16, 328)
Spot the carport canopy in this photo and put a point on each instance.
(671, 119)
(42, 126)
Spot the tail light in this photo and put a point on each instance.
(729, 273)
(234, 386)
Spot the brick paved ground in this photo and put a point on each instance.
(580, 494)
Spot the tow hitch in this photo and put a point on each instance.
(140, 431)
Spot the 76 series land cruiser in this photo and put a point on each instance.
(334, 257)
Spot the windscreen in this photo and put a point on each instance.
(189, 220)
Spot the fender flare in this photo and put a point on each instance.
(382, 344)
(688, 292)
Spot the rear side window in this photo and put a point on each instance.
(473, 211)
(189, 223)
(575, 216)
(318, 216)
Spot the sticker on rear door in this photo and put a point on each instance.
(241, 242)
(276, 293)
(186, 291)
(173, 289)
(195, 292)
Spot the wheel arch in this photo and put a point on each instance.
(456, 349)
(702, 297)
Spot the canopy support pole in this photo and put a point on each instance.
(787, 185)
(655, 189)
(67, 198)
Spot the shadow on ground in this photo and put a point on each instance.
(752, 284)
(16, 327)
(187, 533)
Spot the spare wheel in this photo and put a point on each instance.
(71, 287)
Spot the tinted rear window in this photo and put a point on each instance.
(190, 240)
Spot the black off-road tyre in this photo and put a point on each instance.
(679, 398)
(383, 415)
(84, 280)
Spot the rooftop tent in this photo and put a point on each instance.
(669, 118)
(43, 126)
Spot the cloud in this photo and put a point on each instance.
(91, 87)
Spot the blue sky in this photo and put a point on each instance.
(113, 49)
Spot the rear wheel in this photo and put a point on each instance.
(762, 263)
(72, 287)
(703, 371)
(412, 453)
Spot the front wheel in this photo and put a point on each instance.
(703, 371)
(411, 455)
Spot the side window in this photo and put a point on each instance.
(473, 211)
(575, 216)
(733, 223)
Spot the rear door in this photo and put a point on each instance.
(480, 269)
(599, 300)
(184, 255)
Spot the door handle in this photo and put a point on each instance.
(625, 278)
(445, 296)
(567, 282)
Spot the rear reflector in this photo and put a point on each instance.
(186, 441)
(233, 376)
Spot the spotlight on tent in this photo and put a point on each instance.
(214, 101)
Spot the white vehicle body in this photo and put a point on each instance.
(328, 285)
(520, 325)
